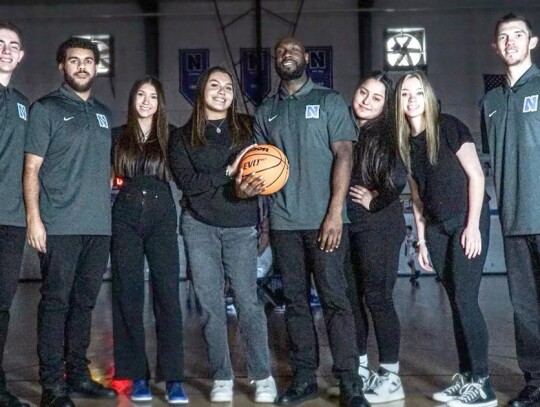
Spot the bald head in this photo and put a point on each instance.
(291, 59)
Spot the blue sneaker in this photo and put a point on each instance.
(175, 393)
(140, 391)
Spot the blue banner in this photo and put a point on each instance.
(320, 66)
(254, 86)
(192, 63)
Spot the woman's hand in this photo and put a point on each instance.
(232, 169)
(362, 196)
(248, 186)
(423, 256)
(471, 241)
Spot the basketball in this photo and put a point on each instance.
(269, 163)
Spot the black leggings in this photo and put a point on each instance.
(461, 278)
(371, 276)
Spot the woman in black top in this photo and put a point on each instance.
(219, 230)
(144, 224)
(376, 233)
(452, 221)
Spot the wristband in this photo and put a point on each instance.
(424, 241)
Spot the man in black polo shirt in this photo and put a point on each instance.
(13, 107)
(311, 124)
(67, 197)
(511, 118)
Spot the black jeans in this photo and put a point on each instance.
(144, 223)
(522, 255)
(297, 256)
(11, 252)
(371, 277)
(72, 271)
(461, 278)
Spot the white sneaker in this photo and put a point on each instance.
(452, 391)
(384, 388)
(222, 391)
(265, 391)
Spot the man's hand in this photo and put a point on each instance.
(330, 232)
(37, 235)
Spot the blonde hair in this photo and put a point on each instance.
(431, 116)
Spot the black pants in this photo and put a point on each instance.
(11, 252)
(144, 223)
(371, 277)
(461, 278)
(72, 271)
(522, 255)
(297, 256)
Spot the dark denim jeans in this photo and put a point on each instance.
(522, 255)
(461, 279)
(11, 251)
(72, 271)
(297, 257)
(213, 253)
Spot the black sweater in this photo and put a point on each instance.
(208, 194)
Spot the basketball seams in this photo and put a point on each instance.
(273, 165)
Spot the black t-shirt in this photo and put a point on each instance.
(443, 187)
(200, 173)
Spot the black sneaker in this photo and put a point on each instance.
(9, 400)
(351, 394)
(477, 393)
(527, 397)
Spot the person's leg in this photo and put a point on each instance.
(58, 266)
(289, 256)
(91, 266)
(523, 270)
(11, 252)
(240, 263)
(161, 247)
(204, 254)
(127, 270)
(355, 290)
(328, 270)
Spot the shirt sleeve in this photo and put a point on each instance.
(187, 179)
(38, 133)
(340, 126)
(457, 133)
(258, 132)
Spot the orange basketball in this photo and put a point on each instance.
(268, 162)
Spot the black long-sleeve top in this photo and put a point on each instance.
(208, 193)
(385, 210)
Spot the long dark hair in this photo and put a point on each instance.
(239, 124)
(376, 152)
(132, 154)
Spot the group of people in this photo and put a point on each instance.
(338, 220)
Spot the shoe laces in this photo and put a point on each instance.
(374, 381)
(471, 391)
(458, 386)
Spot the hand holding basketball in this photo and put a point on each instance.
(265, 170)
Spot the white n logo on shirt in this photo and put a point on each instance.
(530, 104)
(22, 111)
(102, 120)
(312, 111)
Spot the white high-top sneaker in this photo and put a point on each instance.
(386, 387)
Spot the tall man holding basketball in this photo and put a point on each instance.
(68, 212)
(311, 125)
(511, 118)
(13, 116)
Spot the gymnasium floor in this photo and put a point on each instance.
(428, 357)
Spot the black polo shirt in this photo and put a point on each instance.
(304, 126)
(13, 116)
(74, 138)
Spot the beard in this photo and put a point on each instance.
(292, 75)
(78, 87)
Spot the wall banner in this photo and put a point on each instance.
(256, 88)
(192, 64)
(320, 66)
